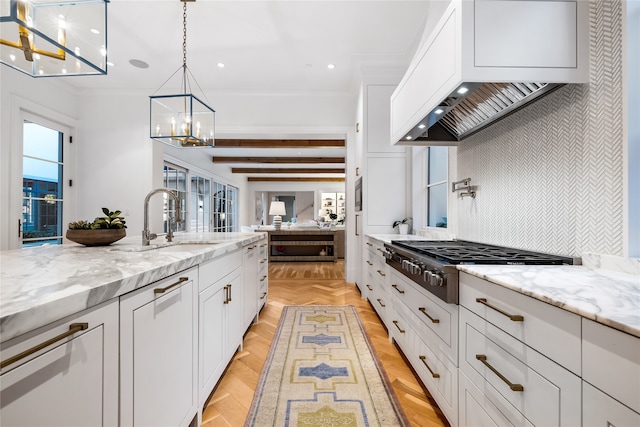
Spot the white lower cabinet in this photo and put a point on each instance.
(601, 410)
(515, 377)
(72, 381)
(263, 274)
(158, 357)
(250, 264)
(220, 318)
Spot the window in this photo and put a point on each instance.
(42, 178)
(212, 205)
(437, 186)
(175, 179)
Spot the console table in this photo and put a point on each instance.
(302, 245)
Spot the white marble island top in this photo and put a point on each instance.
(608, 297)
(43, 284)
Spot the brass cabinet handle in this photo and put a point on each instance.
(264, 294)
(73, 328)
(395, 286)
(369, 262)
(424, 361)
(263, 260)
(369, 244)
(424, 311)
(251, 247)
(229, 291)
(380, 302)
(356, 227)
(226, 294)
(514, 387)
(369, 287)
(163, 290)
(402, 331)
(513, 317)
(378, 249)
(381, 273)
(262, 279)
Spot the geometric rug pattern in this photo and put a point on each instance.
(322, 371)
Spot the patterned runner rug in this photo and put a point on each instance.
(322, 371)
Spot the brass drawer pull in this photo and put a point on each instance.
(264, 294)
(394, 286)
(251, 247)
(262, 279)
(229, 291)
(513, 317)
(424, 311)
(381, 273)
(380, 302)
(424, 361)
(378, 249)
(402, 331)
(226, 294)
(369, 262)
(514, 387)
(163, 290)
(263, 260)
(73, 328)
(369, 244)
(369, 287)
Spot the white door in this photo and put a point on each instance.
(41, 182)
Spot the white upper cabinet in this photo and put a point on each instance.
(489, 41)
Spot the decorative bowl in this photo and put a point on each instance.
(100, 237)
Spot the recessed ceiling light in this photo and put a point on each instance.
(220, 65)
(138, 63)
(421, 126)
(408, 137)
(463, 90)
(94, 31)
(439, 111)
(331, 66)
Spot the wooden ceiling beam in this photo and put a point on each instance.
(292, 179)
(279, 143)
(287, 170)
(218, 159)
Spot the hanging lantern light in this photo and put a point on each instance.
(182, 120)
(45, 38)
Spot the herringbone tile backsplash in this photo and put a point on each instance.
(550, 177)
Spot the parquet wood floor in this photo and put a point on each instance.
(321, 283)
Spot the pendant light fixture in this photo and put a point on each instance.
(45, 38)
(182, 120)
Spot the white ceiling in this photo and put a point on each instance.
(266, 46)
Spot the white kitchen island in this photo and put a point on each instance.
(120, 329)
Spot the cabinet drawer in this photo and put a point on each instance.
(73, 381)
(436, 371)
(212, 271)
(508, 371)
(611, 362)
(438, 317)
(550, 330)
(601, 410)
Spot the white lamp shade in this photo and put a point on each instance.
(277, 208)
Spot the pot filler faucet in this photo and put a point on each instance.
(147, 235)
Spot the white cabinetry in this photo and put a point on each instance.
(376, 280)
(220, 318)
(263, 274)
(426, 329)
(250, 287)
(611, 363)
(540, 41)
(522, 354)
(158, 357)
(72, 381)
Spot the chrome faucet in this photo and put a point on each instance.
(147, 235)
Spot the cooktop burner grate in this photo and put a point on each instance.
(464, 252)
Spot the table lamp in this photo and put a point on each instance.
(277, 209)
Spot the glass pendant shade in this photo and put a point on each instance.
(182, 121)
(45, 38)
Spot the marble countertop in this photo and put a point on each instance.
(387, 238)
(43, 284)
(605, 296)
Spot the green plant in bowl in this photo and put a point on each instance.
(103, 231)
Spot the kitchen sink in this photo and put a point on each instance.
(167, 246)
